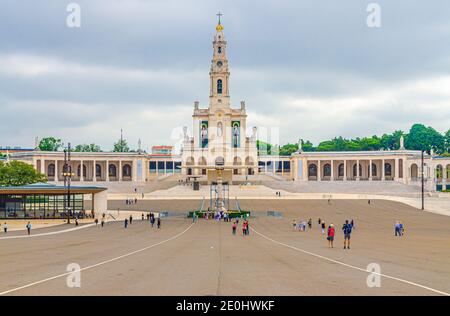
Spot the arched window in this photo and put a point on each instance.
(355, 172)
(220, 161)
(439, 172)
(126, 169)
(219, 86)
(374, 170)
(51, 170)
(387, 169)
(327, 170)
(312, 170)
(79, 170)
(98, 171)
(414, 171)
(219, 50)
(112, 171)
(341, 170)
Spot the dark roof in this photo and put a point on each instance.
(49, 188)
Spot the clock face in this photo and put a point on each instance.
(219, 64)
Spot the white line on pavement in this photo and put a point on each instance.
(350, 266)
(49, 233)
(97, 264)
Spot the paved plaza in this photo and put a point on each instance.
(204, 258)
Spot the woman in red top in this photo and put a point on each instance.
(330, 235)
(244, 228)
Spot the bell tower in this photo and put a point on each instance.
(219, 73)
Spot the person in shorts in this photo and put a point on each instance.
(347, 229)
(330, 235)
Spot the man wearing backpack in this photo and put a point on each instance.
(347, 229)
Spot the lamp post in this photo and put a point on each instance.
(423, 183)
(67, 174)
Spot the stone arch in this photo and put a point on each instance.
(327, 170)
(98, 171)
(312, 170)
(237, 161)
(126, 171)
(112, 170)
(388, 169)
(439, 172)
(414, 171)
(220, 161)
(355, 171)
(202, 162)
(341, 170)
(51, 170)
(189, 162)
(79, 171)
(249, 162)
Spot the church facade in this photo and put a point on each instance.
(221, 137)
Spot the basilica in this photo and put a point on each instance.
(221, 137)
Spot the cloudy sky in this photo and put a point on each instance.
(312, 68)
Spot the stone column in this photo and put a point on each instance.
(396, 172)
(383, 178)
(319, 171)
(56, 171)
(357, 170)
(134, 171)
(332, 170)
(345, 170)
(370, 170)
(120, 170)
(107, 171)
(42, 167)
(81, 171)
(94, 171)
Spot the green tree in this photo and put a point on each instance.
(425, 138)
(263, 147)
(17, 173)
(121, 146)
(447, 141)
(87, 148)
(391, 141)
(288, 149)
(307, 146)
(50, 144)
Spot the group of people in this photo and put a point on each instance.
(330, 230)
(131, 201)
(245, 227)
(301, 225)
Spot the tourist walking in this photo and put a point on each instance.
(319, 221)
(103, 222)
(234, 227)
(347, 229)
(398, 229)
(323, 228)
(310, 223)
(330, 235)
(76, 221)
(294, 224)
(152, 220)
(142, 216)
(96, 221)
(244, 228)
(247, 228)
(126, 223)
(28, 226)
(131, 219)
(5, 228)
(159, 223)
